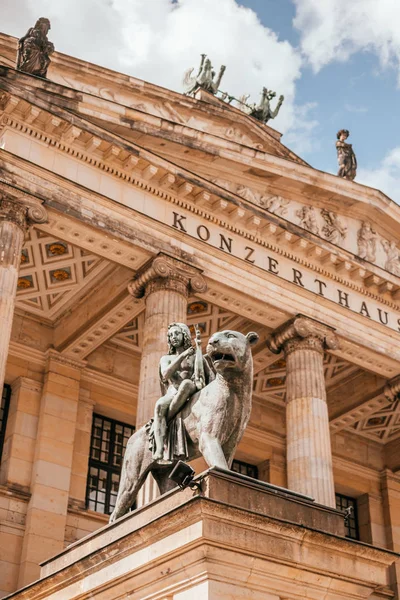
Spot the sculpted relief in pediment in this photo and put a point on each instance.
(353, 235)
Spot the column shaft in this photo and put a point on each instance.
(165, 282)
(163, 306)
(16, 215)
(11, 240)
(309, 455)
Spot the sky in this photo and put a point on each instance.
(337, 62)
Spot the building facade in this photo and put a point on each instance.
(125, 207)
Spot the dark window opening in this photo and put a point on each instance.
(4, 406)
(244, 469)
(351, 522)
(107, 446)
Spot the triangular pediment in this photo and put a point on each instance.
(180, 116)
(205, 167)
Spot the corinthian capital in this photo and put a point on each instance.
(21, 211)
(392, 389)
(165, 272)
(302, 332)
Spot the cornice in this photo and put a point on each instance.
(89, 374)
(54, 355)
(303, 250)
(27, 354)
(110, 382)
(356, 469)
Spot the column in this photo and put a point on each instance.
(51, 473)
(309, 455)
(165, 282)
(16, 215)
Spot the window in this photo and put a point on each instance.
(4, 405)
(245, 469)
(351, 523)
(107, 447)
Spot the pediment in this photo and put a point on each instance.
(126, 101)
(359, 221)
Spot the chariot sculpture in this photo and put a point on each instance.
(205, 78)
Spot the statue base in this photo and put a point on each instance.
(235, 538)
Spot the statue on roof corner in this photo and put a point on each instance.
(34, 49)
(346, 157)
(263, 111)
(204, 79)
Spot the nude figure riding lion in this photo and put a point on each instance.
(203, 410)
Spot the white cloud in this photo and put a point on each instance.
(355, 109)
(157, 40)
(301, 137)
(335, 29)
(385, 177)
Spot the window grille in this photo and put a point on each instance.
(351, 523)
(4, 406)
(244, 469)
(108, 442)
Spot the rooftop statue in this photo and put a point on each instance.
(204, 79)
(34, 49)
(346, 157)
(263, 111)
(204, 409)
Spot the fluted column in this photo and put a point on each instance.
(309, 455)
(166, 283)
(16, 215)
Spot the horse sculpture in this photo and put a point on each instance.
(214, 419)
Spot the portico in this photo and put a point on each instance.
(190, 214)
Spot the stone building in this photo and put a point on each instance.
(105, 179)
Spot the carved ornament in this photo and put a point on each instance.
(308, 219)
(334, 230)
(366, 240)
(165, 272)
(392, 389)
(392, 263)
(302, 332)
(54, 355)
(21, 212)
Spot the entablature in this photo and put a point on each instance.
(321, 235)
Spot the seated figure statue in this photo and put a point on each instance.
(34, 49)
(183, 371)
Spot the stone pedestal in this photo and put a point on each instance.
(15, 217)
(309, 455)
(236, 538)
(165, 282)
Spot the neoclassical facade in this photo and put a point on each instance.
(125, 207)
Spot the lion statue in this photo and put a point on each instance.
(214, 420)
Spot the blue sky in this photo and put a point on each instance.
(357, 94)
(337, 62)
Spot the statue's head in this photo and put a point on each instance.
(230, 350)
(343, 134)
(178, 336)
(43, 24)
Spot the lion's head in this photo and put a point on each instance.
(230, 350)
